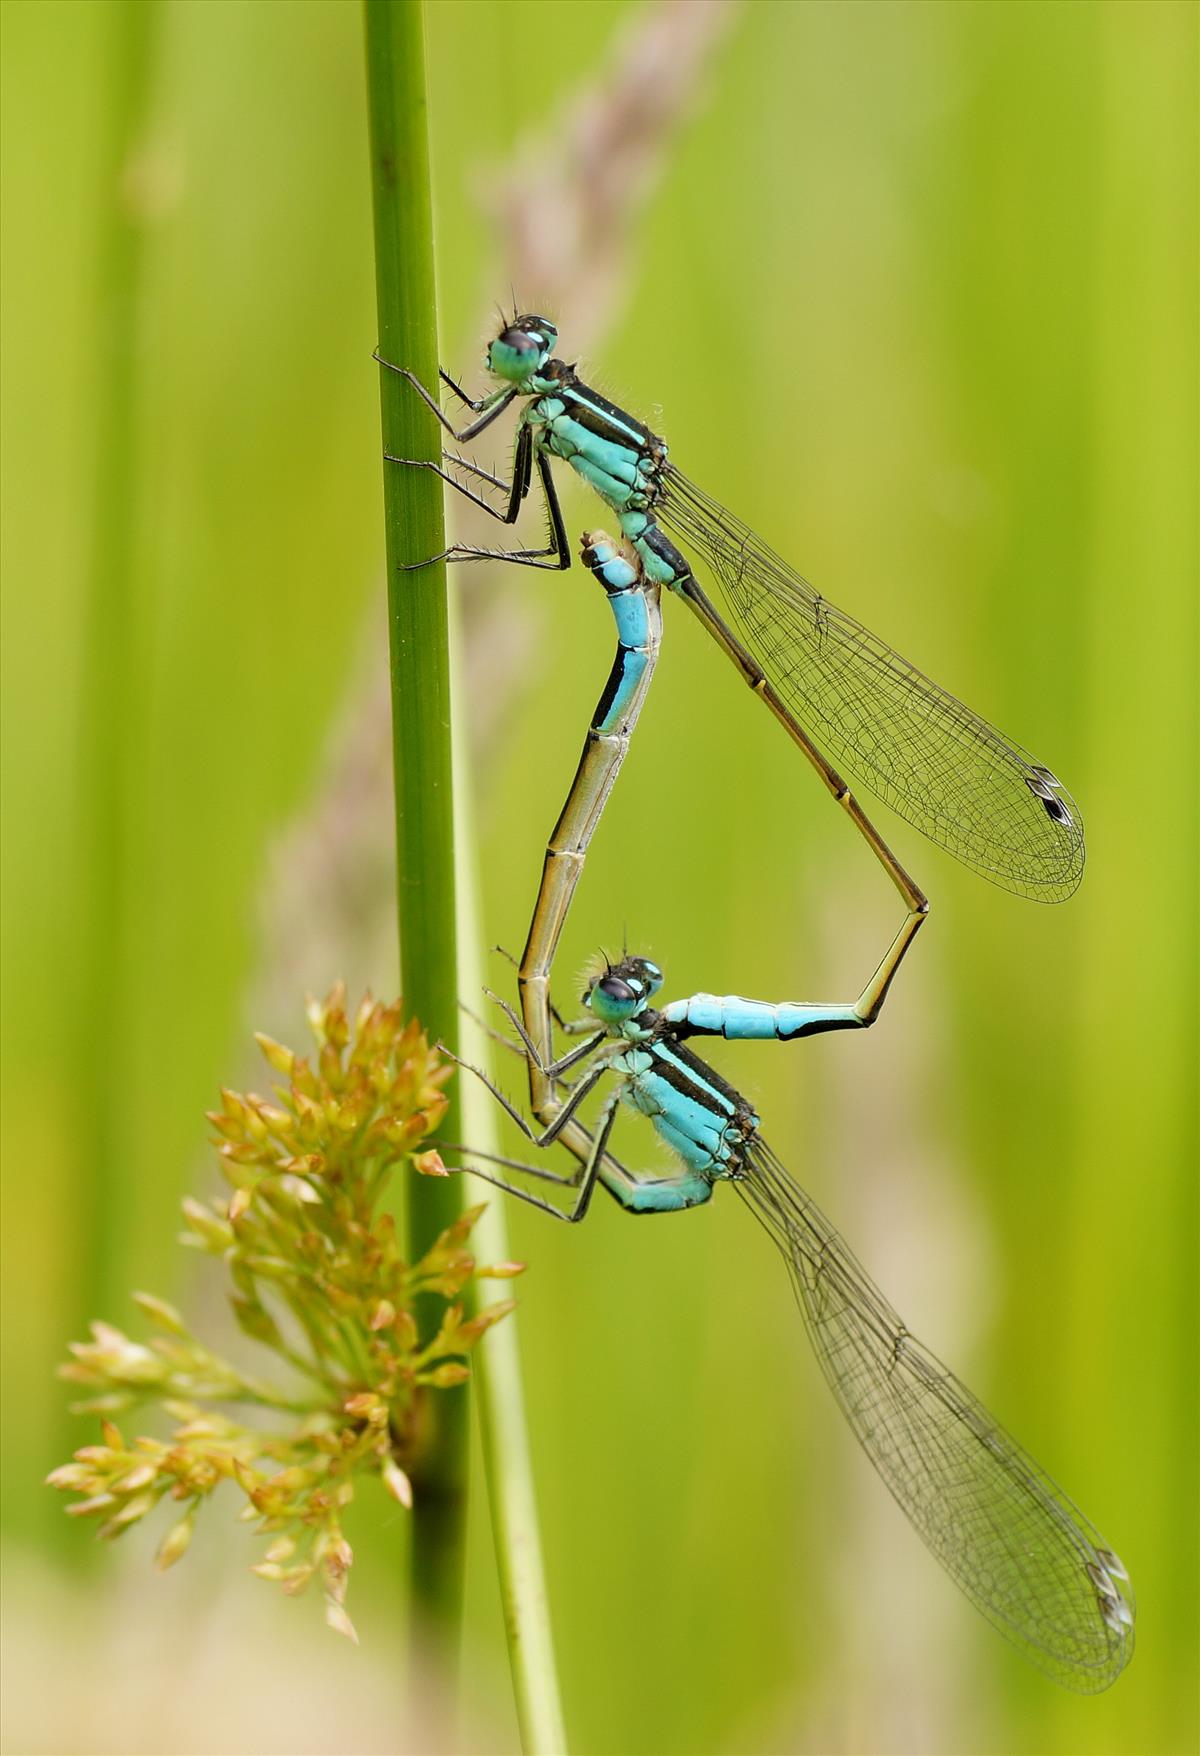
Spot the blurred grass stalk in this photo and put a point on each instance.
(497, 1371)
(112, 697)
(426, 891)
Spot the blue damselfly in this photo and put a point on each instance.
(825, 677)
(1015, 1543)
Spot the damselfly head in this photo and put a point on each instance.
(622, 990)
(522, 348)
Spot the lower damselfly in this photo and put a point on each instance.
(828, 680)
(1015, 1543)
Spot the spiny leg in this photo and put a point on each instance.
(585, 1177)
(552, 1131)
(548, 1069)
(474, 404)
(488, 407)
(519, 1049)
(453, 482)
(572, 1027)
(475, 469)
(537, 1201)
(554, 557)
(564, 1179)
(557, 554)
(517, 489)
(495, 1036)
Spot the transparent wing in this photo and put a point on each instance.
(1001, 1528)
(919, 749)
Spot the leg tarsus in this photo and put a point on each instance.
(453, 384)
(496, 1036)
(584, 1179)
(453, 482)
(476, 469)
(521, 1194)
(554, 1128)
(554, 1068)
(468, 552)
(488, 407)
(564, 1180)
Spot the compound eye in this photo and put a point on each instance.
(613, 988)
(517, 341)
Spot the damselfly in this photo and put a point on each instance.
(1014, 1542)
(634, 601)
(822, 674)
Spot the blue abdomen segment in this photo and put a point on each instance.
(629, 612)
(740, 1020)
(627, 602)
(614, 570)
(670, 1195)
(624, 678)
(661, 560)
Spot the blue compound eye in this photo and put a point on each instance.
(613, 999)
(519, 341)
(613, 988)
(521, 348)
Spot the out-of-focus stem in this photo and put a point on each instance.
(112, 693)
(507, 1459)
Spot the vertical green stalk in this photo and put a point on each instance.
(420, 670)
(426, 864)
(507, 1460)
(111, 701)
(420, 667)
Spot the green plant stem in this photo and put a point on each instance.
(507, 1461)
(420, 672)
(112, 696)
(425, 862)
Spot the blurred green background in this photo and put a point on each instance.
(913, 288)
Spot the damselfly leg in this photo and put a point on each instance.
(556, 555)
(488, 407)
(564, 1112)
(597, 1165)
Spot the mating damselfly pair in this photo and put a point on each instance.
(1010, 1538)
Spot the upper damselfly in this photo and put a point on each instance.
(1015, 1543)
(830, 681)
